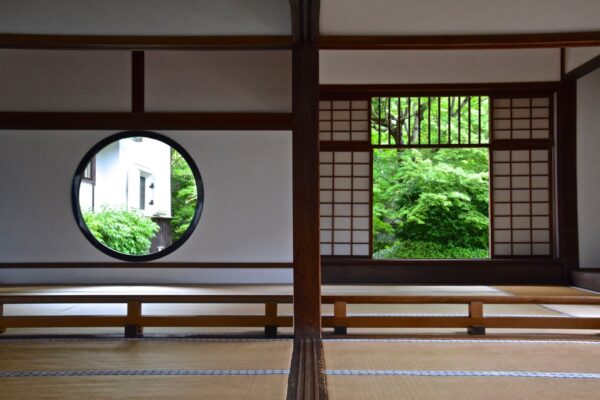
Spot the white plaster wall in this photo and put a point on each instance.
(146, 17)
(258, 81)
(588, 169)
(51, 80)
(438, 66)
(247, 215)
(440, 17)
(576, 56)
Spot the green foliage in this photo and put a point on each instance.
(184, 195)
(419, 249)
(425, 120)
(124, 231)
(428, 200)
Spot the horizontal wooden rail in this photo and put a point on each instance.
(134, 321)
(476, 322)
(581, 300)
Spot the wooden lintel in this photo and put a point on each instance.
(457, 42)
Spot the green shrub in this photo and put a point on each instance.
(184, 195)
(124, 231)
(433, 250)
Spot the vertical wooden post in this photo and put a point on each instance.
(305, 154)
(137, 81)
(271, 315)
(566, 179)
(339, 311)
(134, 311)
(476, 312)
(2, 330)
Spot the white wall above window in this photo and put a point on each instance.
(456, 17)
(438, 66)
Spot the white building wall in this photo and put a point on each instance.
(588, 169)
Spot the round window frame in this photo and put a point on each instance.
(76, 185)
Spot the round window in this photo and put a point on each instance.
(137, 195)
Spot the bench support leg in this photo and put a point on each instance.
(134, 311)
(2, 330)
(339, 311)
(476, 312)
(271, 314)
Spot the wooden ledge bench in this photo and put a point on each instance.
(134, 321)
(475, 322)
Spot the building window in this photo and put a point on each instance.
(465, 176)
(142, 192)
(142, 224)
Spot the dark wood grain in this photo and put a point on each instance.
(137, 81)
(443, 272)
(307, 379)
(454, 42)
(149, 121)
(160, 264)
(583, 69)
(89, 42)
(566, 176)
(365, 92)
(305, 144)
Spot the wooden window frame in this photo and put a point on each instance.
(514, 269)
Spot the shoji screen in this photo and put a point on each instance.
(345, 184)
(521, 161)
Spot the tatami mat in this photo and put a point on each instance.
(476, 355)
(545, 291)
(271, 387)
(462, 369)
(459, 388)
(114, 354)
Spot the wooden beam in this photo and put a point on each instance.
(444, 272)
(91, 42)
(145, 265)
(365, 92)
(457, 42)
(305, 144)
(566, 176)
(137, 81)
(148, 121)
(583, 69)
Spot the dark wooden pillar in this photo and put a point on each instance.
(566, 180)
(305, 142)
